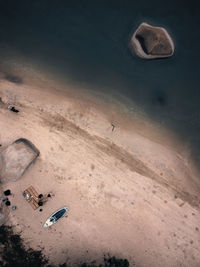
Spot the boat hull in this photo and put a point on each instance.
(55, 217)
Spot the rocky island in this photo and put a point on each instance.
(151, 42)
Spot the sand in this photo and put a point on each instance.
(132, 192)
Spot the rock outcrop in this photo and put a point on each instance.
(151, 42)
(16, 158)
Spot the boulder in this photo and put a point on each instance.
(16, 158)
(151, 42)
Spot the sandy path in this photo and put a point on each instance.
(129, 195)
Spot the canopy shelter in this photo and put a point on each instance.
(34, 199)
(31, 196)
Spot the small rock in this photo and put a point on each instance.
(151, 42)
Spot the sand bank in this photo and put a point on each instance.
(132, 192)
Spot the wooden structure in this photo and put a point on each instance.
(31, 196)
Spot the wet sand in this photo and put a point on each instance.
(132, 191)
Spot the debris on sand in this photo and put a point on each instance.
(13, 109)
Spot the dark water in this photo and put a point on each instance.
(86, 41)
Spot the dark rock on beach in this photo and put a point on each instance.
(151, 42)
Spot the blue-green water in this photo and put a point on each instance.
(87, 42)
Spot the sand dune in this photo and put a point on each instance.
(132, 192)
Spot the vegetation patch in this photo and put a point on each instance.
(14, 254)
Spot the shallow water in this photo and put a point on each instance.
(86, 43)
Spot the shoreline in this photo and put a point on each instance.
(106, 178)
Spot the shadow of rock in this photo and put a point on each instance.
(13, 78)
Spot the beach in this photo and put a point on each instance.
(132, 189)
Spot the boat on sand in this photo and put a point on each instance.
(56, 216)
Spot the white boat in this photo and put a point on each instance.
(55, 216)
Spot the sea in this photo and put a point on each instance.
(86, 43)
